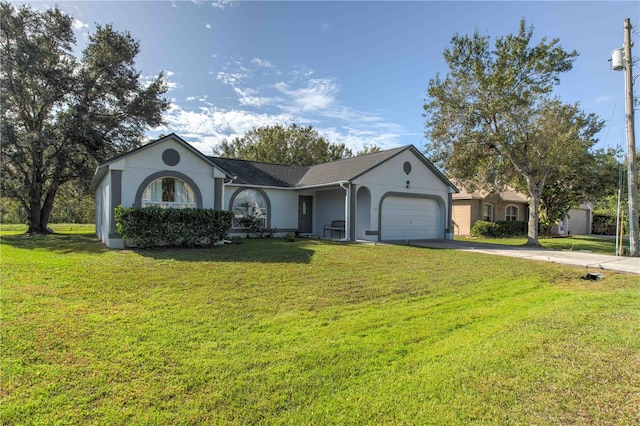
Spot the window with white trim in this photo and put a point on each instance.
(511, 214)
(168, 192)
(249, 203)
(487, 212)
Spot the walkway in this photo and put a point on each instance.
(588, 260)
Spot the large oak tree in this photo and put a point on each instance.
(493, 121)
(61, 115)
(293, 145)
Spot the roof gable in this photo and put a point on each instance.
(102, 169)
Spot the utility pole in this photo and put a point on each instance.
(632, 177)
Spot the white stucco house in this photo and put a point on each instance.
(389, 195)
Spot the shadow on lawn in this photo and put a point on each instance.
(255, 251)
(56, 242)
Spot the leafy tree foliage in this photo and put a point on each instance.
(61, 115)
(293, 145)
(492, 120)
(368, 149)
(586, 177)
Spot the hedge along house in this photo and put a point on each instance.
(389, 195)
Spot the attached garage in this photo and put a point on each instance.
(411, 218)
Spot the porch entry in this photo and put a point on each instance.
(305, 215)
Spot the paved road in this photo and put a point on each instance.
(592, 261)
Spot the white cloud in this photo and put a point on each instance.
(208, 126)
(262, 63)
(247, 97)
(78, 25)
(207, 26)
(320, 93)
(231, 78)
(222, 4)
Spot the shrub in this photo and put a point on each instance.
(513, 228)
(501, 229)
(154, 226)
(604, 222)
(253, 225)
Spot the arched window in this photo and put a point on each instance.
(168, 192)
(487, 212)
(511, 214)
(249, 203)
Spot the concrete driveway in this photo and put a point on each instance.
(587, 260)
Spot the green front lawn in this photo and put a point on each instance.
(311, 332)
(593, 244)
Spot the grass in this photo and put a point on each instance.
(311, 332)
(602, 245)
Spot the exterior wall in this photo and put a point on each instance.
(391, 177)
(138, 167)
(283, 204)
(105, 225)
(103, 206)
(500, 208)
(329, 206)
(462, 216)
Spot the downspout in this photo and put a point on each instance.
(224, 185)
(347, 218)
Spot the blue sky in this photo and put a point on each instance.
(356, 71)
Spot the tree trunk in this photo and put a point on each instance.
(39, 214)
(534, 215)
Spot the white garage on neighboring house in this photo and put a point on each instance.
(395, 194)
(577, 222)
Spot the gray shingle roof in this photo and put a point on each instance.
(262, 174)
(265, 174)
(346, 169)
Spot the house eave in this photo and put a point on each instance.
(289, 188)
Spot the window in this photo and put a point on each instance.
(487, 212)
(168, 192)
(249, 203)
(511, 214)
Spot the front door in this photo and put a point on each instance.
(305, 223)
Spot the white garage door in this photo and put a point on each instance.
(578, 222)
(405, 218)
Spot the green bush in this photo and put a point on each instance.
(513, 228)
(501, 229)
(482, 228)
(604, 222)
(156, 227)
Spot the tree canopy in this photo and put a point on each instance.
(61, 115)
(493, 121)
(293, 145)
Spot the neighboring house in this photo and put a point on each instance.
(509, 205)
(389, 195)
(579, 221)
(470, 207)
